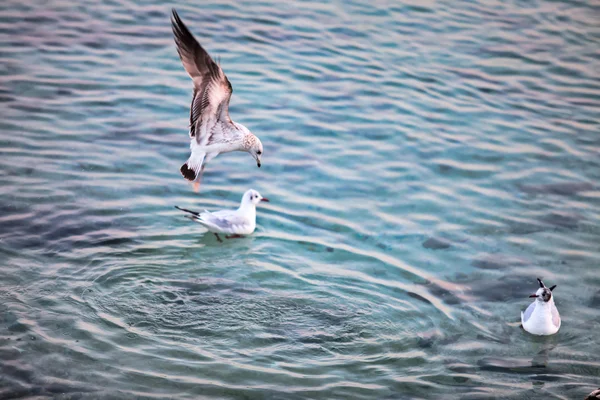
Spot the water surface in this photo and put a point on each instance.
(425, 162)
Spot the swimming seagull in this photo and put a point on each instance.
(541, 317)
(212, 131)
(595, 395)
(233, 223)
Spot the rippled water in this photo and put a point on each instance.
(425, 163)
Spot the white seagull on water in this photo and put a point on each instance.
(541, 317)
(233, 223)
(212, 131)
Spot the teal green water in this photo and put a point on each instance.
(425, 163)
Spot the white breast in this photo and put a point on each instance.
(541, 322)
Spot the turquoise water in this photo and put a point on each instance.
(425, 163)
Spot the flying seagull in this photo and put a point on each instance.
(233, 223)
(541, 317)
(212, 131)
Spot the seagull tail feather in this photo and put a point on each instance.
(194, 213)
(188, 173)
(192, 167)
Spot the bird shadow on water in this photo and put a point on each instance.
(539, 368)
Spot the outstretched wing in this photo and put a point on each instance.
(212, 89)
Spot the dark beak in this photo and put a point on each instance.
(258, 164)
(264, 199)
(533, 295)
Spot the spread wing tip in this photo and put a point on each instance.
(175, 20)
(181, 32)
(175, 17)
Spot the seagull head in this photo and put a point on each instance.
(252, 144)
(543, 293)
(252, 197)
(256, 150)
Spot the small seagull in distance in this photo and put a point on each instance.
(212, 131)
(232, 223)
(541, 317)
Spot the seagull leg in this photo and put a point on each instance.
(199, 179)
(233, 236)
(218, 237)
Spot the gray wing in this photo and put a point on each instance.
(555, 316)
(226, 220)
(528, 312)
(212, 89)
(222, 213)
